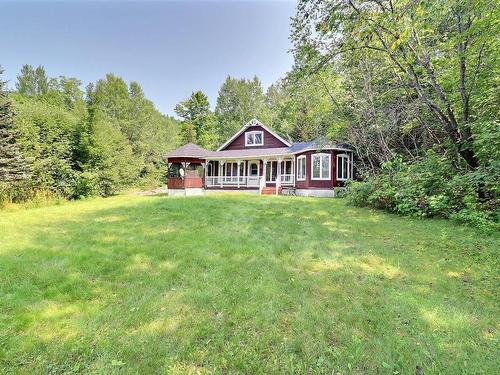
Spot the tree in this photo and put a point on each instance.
(13, 165)
(32, 82)
(439, 51)
(112, 158)
(239, 101)
(197, 120)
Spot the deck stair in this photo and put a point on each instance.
(270, 190)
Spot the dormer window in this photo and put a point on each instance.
(254, 138)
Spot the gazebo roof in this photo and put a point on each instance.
(189, 150)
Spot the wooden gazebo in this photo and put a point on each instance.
(186, 169)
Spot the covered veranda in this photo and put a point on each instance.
(191, 167)
(252, 173)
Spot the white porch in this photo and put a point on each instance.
(249, 173)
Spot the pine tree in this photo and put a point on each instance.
(13, 165)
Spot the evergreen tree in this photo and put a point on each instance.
(32, 81)
(239, 101)
(13, 165)
(198, 124)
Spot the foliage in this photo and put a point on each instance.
(306, 108)
(345, 290)
(80, 144)
(446, 70)
(47, 137)
(430, 187)
(13, 165)
(198, 125)
(112, 159)
(415, 76)
(239, 101)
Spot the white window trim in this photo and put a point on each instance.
(303, 157)
(261, 132)
(343, 156)
(321, 178)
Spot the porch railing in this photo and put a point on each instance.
(232, 181)
(245, 181)
(287, 179)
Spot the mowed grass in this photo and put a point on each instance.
(242, 284)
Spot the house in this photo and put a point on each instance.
(258, 160)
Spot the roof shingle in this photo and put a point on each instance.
(188, 150)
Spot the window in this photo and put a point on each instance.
(301, 168)
(230, 169)
(343, 167)
(194, 170)
(286, 167)
(174, 170)
(255, 138)
(271, 171)
(320, 166)
(254, 169)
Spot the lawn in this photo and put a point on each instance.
(243, 284)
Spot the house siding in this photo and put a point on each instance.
(270, 141)
(309, 183)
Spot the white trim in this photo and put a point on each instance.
(302, 157)
(321, 178)
(253, 122)
(251, 157)
(185, 156)
(349, 167)
(254, 132)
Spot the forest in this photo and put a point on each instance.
(412, 86)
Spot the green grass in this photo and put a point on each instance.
(234, 284)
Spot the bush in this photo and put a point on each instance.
(432, 187)
(29, 196)
(86, 185)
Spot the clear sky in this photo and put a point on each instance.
(170, 48)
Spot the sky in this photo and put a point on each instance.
(170, 48)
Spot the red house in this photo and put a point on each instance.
(258, 160)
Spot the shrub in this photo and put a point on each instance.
(431, 187)
(27, 195)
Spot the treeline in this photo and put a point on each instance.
(296, 109)
(412, 86)
(59, 140)
(417, 96)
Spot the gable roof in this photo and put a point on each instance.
(189, 150)
(252, 122)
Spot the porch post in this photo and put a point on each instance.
(221, 164)
(238, 162)
(352, 165)
(278, 175)
(205, 173)
(264, 170)
(293, 171)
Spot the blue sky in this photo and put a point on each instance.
(170, 48)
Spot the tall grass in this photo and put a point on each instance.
(23, 195)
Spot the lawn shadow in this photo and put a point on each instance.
(232, 284)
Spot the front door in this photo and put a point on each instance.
(253, 173)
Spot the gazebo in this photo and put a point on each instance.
(186, 170)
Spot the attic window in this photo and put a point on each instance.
(254, 138)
